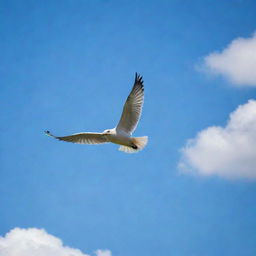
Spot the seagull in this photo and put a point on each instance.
(121, 134)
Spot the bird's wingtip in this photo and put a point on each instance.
(48, 133)
(137, 75)
(138, 78)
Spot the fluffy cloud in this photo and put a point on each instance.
(236, 62)
(228, 151)
(37, 242)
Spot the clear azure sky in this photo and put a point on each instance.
(68, 66)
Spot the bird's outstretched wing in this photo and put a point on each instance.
(133, 107)
(82, 138)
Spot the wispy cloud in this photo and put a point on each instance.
(228, 151)
(236, 62)
(103, 253)
(37, 242)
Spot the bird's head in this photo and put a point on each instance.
(108, 131)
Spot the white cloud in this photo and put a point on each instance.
(236, 62)
(228, 151)
(37, 242)
(103, 253)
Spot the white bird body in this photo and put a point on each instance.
(121, 134)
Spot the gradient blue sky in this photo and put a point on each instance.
(68, 66)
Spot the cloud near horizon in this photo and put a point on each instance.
(236, 62)
(37, 242)
(228, 151)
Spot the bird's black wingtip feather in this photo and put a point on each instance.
(48, 133)
(138, 79)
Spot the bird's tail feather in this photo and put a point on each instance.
(139, 144)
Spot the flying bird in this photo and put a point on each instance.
(121, 134)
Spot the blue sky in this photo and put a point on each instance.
(68, 66)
